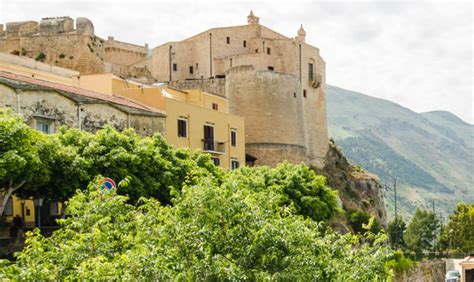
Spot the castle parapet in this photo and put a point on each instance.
(111, 43)
(56, 25)
(16, 29)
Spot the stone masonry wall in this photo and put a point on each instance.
(61, 110)
(273, 120)
(215, 86)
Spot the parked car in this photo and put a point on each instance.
(452, 276)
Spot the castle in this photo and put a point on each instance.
(275, 82)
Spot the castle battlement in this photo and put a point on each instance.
(48, 26)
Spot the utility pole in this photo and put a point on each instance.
(395, 192)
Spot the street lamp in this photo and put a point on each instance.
(38, 204)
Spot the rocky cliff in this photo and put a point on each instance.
(358, 189)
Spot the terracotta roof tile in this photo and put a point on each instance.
(79, 91)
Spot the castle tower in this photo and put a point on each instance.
(301, 34)
(252, 19)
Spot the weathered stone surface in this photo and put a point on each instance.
(56, 25)
(358, 189)
(425, 271)
(84, 26)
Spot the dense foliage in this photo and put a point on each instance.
(20, 162)
(359, 219)
(422, 232)
(396, 228)
(291, 185)
(458, 234)
(175, 215)
(210, 233)
(34, 164)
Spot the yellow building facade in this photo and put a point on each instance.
(195, 119)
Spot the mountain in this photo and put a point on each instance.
(431, 155)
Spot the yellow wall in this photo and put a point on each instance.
(197, 117)
(101, 83)
(29, 220)
(196, 107)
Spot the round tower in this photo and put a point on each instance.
(273, 112)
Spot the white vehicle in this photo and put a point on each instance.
(452, 276)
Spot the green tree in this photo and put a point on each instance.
(422, 231)
(212, 232)
(20, 162)
(292, 185)
(458, 234)
(396, 228)
(358, 220)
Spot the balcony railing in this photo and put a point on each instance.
(213, 146)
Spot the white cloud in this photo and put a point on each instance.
(418, 54)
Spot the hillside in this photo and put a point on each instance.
(430, 154)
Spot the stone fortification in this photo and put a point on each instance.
(274, 81)
(62, 42)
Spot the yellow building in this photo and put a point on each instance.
(195, 119)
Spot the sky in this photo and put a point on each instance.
(417, 54)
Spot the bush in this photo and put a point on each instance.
(399, 263)
(41, 57)
(226, 232)
(358, 219)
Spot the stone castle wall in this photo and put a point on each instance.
(56, 41)
(216, 86)
(274, 125)
(122, 53)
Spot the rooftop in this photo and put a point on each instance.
(26, 81)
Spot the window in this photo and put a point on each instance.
(8, 210)
(233, 137)
(215, 106)
(304, 93)
(256, 50)
(53, 208)
(269, 50)
(191, 69)
(294, 94)
(234, 164)
(310, 71)
(182, 127)
(270, 68)
(208, 137)
(175, 67)
(228, 40)
(230, 62)
(245, 44)
(216, 161)
(44, 126)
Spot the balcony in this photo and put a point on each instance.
(213, 147)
